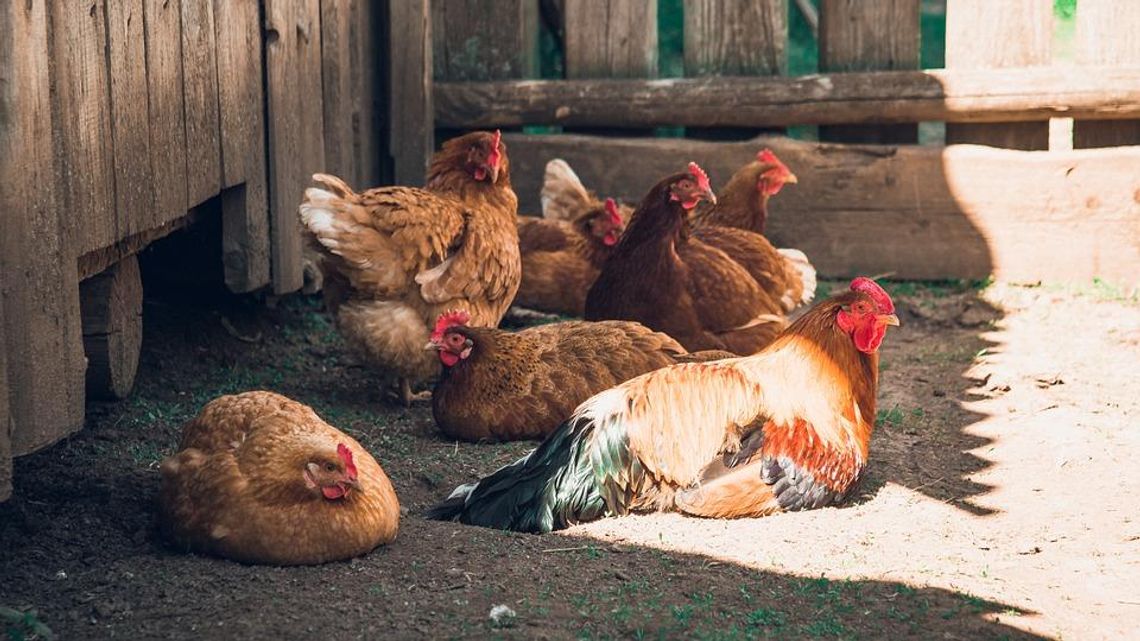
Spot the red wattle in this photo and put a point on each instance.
(448, 358)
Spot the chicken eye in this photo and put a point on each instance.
(329, 467)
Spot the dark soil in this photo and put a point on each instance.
(81, 554)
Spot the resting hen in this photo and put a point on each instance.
(560, 259)
(394, 258)
(260, 478)
(499, 385)
(735, 225)
(565, 198)
(785, 429)
(664, 278)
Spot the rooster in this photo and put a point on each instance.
(663, 277)
(260, 478)
(560, 259)
(499, 385)
(394, 258)
(735, 225)
(785, 429)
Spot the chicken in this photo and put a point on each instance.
(661, 276)
(560, 259)
(260, 478)
(743, 201)
(394, 258)
(785, 429)
(499, 385)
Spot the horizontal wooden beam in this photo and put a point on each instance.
(989, 95)
(962, 211)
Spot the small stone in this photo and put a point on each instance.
(502, 616)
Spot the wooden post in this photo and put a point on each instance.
(112, 329)
(411, 116)
(869, 35)
(729, 38)
(200, 83)
(38, 281)
(1107, 35)
(1010, 33)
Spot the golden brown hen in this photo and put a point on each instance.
(260, 478)
(394, 258)
(499, 385)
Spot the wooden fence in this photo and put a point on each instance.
(123, 120)
(869, 200)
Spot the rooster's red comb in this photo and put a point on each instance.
(450, 318)
(612, 210)
(766, 156)
(700, 175)
(345, 455)
(496, 154)
(876, 292)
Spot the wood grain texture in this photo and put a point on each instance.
(369, 58)
(611, 39)
(1012, 33)
(866, 97)
(1107, 35)
(245, 199)
(44, 349)
(961, 211)
(82, 103)
(130, 118)
(111, 304)
(167, 114)
(410, 83)
(200, 89)
(296, 145)
(730, 38)
(869, 35)
(484, 39)
(5, 416)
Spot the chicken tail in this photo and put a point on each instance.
(799, 262)
(338, 186)
(563, 195)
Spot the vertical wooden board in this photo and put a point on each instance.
(730, 38)
(200, 90)
(611, 39)
(82, 104)
(369, 60)
(167, 117)
(410, 118)
(985, 34)
(38, 282)
(869, 35)
(5, 417)
(1107, 35)
(130, 119)
(483, 39)
(340, 84)
(309, 100)
(245, 204)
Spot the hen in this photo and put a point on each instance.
(500, 385)
(785, 429)
(560, 259)
(661, 276)
(260, 478)
(564, 197)
(735, 225)
(394, 258)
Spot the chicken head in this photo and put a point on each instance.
(333, 475)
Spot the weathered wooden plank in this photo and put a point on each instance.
(5, 416)
(130, 119)
(869, 35)
(410, 83)
(340, 78)
(200, 88)
(167, 114)
(961, 211)
(993, 95)
(111, 304)
(369, 60)
(245, 202)
(1106, 35)
(984, 34)
(82, 104)
(729, 38)
(44, 349)
(484, 39)
(611, 39)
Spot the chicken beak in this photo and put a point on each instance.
(711, 197)
(890, 319)
(430, 346)
(791, 179)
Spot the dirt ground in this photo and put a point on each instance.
(1000, 503)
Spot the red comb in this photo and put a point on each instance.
(877, 293)
(612, 210)
(345, 455)
(700, 175)
(767, 156)
(495, 155)
(450, 318)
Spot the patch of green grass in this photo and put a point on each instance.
(893, 417)
(24, 625)
(825, 626)
(765, 618)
